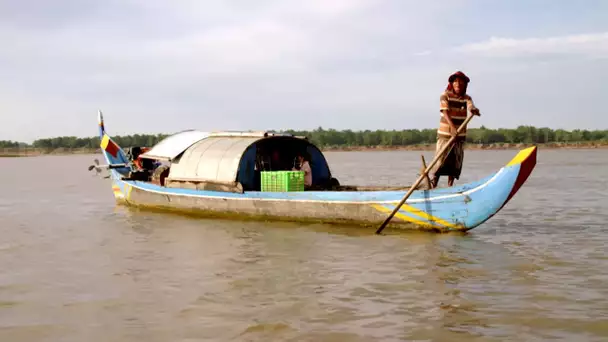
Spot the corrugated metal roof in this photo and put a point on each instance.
(173, 145)
(215, 158)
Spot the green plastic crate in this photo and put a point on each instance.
(282, 181)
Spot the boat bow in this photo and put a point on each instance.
(465, 207)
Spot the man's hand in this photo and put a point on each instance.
(453, 130)
(475, 111)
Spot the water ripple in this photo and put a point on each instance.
(78, 268)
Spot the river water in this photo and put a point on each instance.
(76, 267)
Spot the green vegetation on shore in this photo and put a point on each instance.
(347, 139)
(480, 136)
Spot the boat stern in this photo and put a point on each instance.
(111, 151)
(121, 190)
(114, 155)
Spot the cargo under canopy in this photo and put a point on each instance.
(233, 161)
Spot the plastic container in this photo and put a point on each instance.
(282, 181)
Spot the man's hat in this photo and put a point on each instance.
(459, 74)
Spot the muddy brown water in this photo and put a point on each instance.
(76, 267)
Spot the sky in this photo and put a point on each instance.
(157, 66)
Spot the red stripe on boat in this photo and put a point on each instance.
(525, 169)
(112, 148)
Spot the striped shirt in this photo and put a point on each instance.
(456, 108)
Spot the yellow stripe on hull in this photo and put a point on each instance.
(128, 189)
(428, 217)
(419, 213)
(117, 192)
(404, 217)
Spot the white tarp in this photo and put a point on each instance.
(216, 158)
(173, 145)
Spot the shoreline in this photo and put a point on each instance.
(471, 147)
(36, 152)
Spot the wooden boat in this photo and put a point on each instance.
(217, 174)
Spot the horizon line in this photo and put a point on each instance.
(482, 127)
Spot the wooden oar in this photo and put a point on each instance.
(428, 180)
(424, 174)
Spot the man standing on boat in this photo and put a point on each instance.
(455, 102)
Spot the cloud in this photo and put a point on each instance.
(423, 53)
(230, 64)
(237, 64)
(594, 45)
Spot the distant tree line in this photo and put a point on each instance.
(334, 138)
(11, 144)
(482, 135)
(93, 142)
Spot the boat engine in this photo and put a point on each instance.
(142, 168)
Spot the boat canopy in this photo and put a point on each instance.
(238, 158)
(172, 146)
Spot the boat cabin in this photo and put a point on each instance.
(233, 161)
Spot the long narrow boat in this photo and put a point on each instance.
(218, 174)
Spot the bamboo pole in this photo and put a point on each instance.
(424, 174)
(428, 180)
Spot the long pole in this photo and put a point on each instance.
(424, 174)
(428, 180)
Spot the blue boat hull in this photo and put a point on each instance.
(457, 208)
